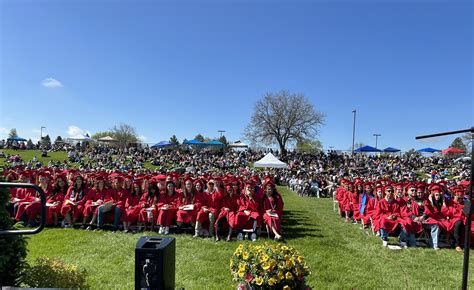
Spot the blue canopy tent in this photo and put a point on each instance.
(367, 148)
(214, 143)
(428, 150)
(391, 149)
(194, 142)
(19, 139)
(162, 144)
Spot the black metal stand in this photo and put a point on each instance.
(467, 205)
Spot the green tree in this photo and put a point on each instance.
(46, 142)
(12, 248)
(467, 140)
(309, 145)
(458, 143)
(223, 140)
(411, 152)
(282, 118)
(174, 140)
(200, 138)
(58, 139)
(13, 133)
(103, 134)
(29, 144)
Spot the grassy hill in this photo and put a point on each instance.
(339, 255)
(27, 155)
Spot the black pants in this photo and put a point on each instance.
(458, 227)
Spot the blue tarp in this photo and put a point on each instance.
(193, 142)
(428, 150)
(367, 148)
(162, 144)
(391, 149)
(214, 143)
(17, 139)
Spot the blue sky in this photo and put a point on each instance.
(188, 67)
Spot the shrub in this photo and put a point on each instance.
(12, 248)
(54, 273)
(268, 266)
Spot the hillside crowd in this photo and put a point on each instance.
(217, 192)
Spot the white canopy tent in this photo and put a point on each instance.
(79, 138)
(107, 139)
(270, 161)
(238, 144)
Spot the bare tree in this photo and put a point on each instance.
(282, 118)
(124, 134)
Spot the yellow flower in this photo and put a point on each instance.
(266, 266)
(272, 281)
(288, 276)
(245, 255)
(290, 263)
(242, 267)
(280, 276)
(258, 281)
(300, 259)
(272, 263)
(298, 272)
(264, 258)
(284, 248)
(241, 273)
(286, 287)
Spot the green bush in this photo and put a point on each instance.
(12, 248)
(54, 273)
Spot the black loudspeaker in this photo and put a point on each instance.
(155, 259)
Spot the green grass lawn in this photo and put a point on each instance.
(28, 155)
(339, 255)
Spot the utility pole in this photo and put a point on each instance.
(41, 133)
(376, 137)
(221, 131)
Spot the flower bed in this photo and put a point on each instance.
(268, 266)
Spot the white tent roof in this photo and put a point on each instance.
(238, 143)
(80, 138)
(106, 138)
(271, 161)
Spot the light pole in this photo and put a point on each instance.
(353, 130)
(221, 131)
(376, 138)
(41, 133)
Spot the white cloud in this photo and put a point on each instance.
(74, 131)
(51, 83)
(3, 132)
(142, 138)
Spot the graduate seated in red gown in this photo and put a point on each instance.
(148, 207)
(390, 219)
(364, 200)
(439, 215)
(55, 200)
(248, 215)
(272, 210)
(229, 207)
(74, 202)
(34, 208)
(132, 207)
(211, 199)
(168, 203)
